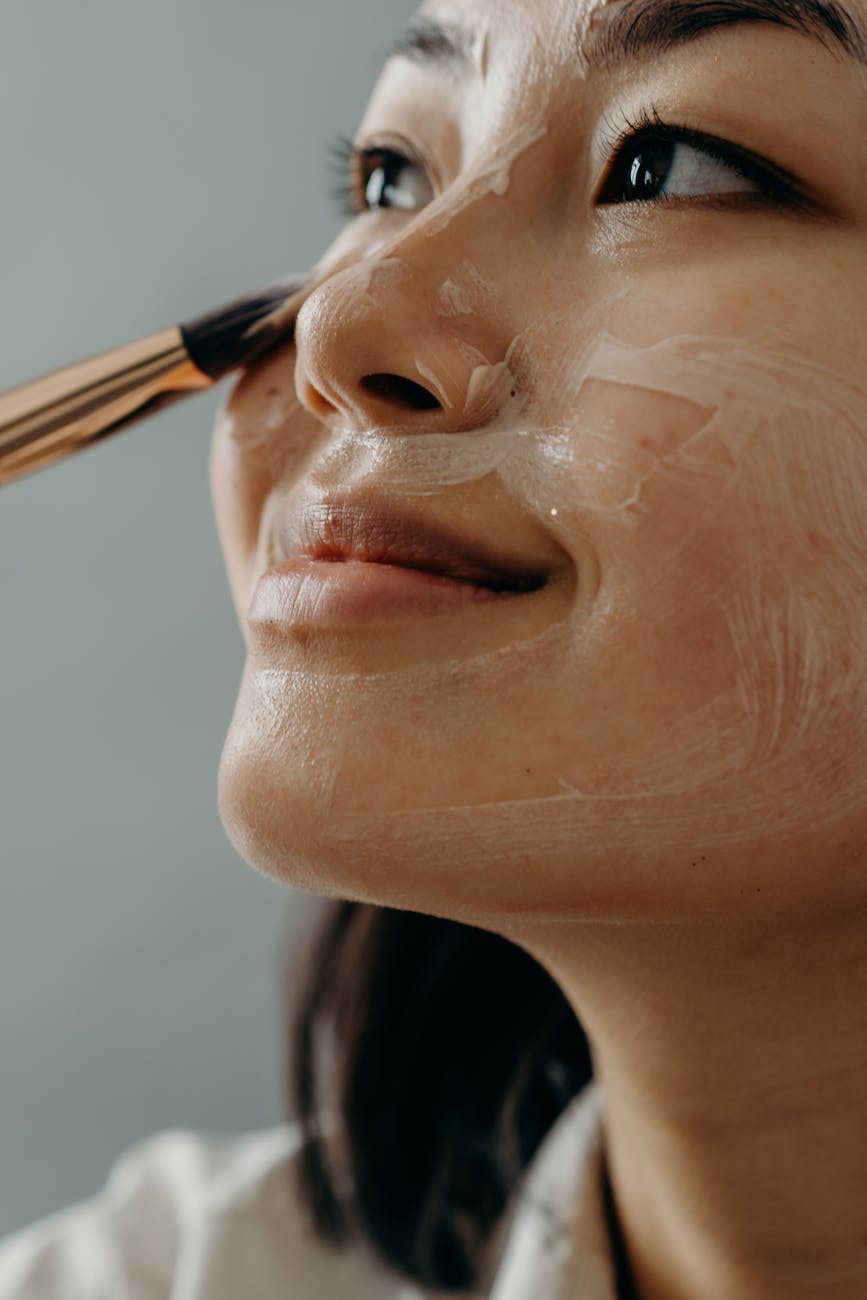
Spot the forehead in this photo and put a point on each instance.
(647, 26)
(531, 12)
(505, 18)
(520, 43)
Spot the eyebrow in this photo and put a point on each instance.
(428, 41)
(639, 29)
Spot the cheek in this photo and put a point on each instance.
(727, 491)
(237, 499)
(260, 445)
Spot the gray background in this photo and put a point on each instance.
(157, 159)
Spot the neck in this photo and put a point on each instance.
(734, 1072)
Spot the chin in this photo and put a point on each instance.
(271, 824)
(283, 816)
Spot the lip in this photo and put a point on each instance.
(360, 558)
(354, 591)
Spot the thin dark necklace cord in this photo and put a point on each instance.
(624, 1281)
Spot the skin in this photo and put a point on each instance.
(649, 774)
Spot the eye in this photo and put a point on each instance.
(377, 178)
(672, 169)
(654, 162)
(392, 181)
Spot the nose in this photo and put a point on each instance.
(382, 343)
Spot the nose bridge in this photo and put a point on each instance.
(418, 332)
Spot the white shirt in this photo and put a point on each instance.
(184, 1216)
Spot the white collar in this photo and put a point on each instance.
(558, 1244)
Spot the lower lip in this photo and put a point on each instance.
(352, 591)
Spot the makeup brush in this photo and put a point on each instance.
(71, 408)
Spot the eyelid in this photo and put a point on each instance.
(773, 180)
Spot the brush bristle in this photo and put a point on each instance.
(220, 340)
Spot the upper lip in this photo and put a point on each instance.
(370, 530)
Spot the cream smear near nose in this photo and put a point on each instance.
(492, 177)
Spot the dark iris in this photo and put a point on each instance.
(649, 168)
(385, 172)
(378, 183)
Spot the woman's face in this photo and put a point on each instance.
(603, 322)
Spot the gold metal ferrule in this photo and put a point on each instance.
(68, 409)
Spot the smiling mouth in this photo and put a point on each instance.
(376, 533)
(341, 562)
(463, 574)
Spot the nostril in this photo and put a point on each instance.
(394, 388)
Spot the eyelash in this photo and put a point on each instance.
(355, 166)
(350, 163)
(777, 187)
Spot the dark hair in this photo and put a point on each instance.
(450, 1054)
